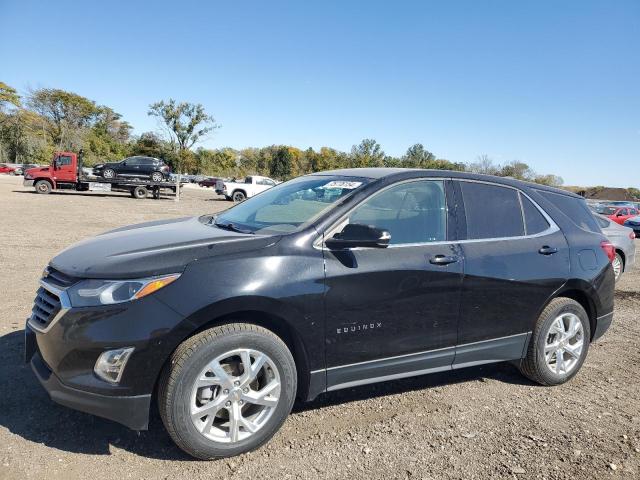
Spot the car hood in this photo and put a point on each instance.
(153, 248)
(37, 169)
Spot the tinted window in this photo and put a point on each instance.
(146, 161)
(633, 211)
(64, 161)
(413, 212)
(492, 211)
(534, 221)
(132, 160)
(574, 208)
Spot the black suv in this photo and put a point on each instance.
(324, 282)
(134, 167)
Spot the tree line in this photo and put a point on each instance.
(34, 125)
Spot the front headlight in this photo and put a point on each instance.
(92, 293)
(28, 176)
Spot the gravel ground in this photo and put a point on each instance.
(475, 423)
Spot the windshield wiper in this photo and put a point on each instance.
(230, 226)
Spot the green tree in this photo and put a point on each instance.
(8, 97)
(418, 157)
(66, 115)
(184, 123)
(281, 163)
(368, 153)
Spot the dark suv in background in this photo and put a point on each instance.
(327, 281)
(134, 167)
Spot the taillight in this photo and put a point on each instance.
(609, 249)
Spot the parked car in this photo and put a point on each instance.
(623, 239)
(5, 168)
(209, 182)
(134, 167)
(634, 224)
(617, 214)
(252, 185)
(327, 281)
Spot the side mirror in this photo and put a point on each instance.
(357, 235)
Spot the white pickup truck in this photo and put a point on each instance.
(252, 185)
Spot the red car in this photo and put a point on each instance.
(618, 214)
(4, 168)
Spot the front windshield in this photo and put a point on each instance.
(291, 205)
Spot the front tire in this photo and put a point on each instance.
(239, 197)
(559, 344)
(109, 173)
(227, 390)
(157, 177)
(43, 187)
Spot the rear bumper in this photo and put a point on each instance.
(602, 325)
(132, 412)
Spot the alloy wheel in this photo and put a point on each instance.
(235, 395)
(564, 344)
(617, 266)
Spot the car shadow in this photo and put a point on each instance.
(113, 194)
(27, 411)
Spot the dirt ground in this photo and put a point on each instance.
(486, 422)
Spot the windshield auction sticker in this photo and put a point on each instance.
(342, 184)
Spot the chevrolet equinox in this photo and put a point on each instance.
(327, 281)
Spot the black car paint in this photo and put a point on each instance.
(481, 308)
(134, 167)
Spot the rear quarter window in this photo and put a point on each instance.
(574, 208)
(533, 219)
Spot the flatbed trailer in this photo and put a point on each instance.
(65, 173)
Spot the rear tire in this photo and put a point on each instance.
(618, 266)
(206, 432)
(559, 343)
(43, 187)
(139, 192)
(239, 197)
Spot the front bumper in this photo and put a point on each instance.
(131, 411)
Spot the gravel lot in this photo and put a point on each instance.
(476, 423)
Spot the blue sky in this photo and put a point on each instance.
(554, 84)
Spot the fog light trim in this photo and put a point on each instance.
(110, 364)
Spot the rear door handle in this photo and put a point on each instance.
(443, 259)
(547, 250)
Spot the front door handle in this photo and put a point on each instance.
(443, 259)
(547, 250)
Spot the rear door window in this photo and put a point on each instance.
(491, 211)
(574, 208)
(534, 221)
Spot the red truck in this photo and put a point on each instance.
(65, 172)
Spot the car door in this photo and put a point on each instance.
(64, 169)
(393, 312)
(515, 258)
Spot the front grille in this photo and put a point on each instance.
(57, 278)
(48, 304)
(45, 308)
